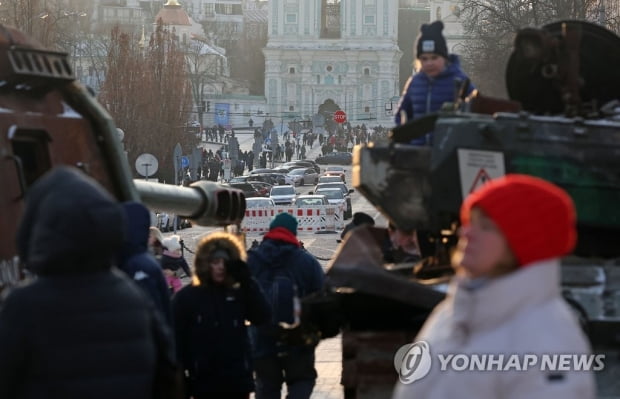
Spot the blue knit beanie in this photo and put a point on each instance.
(285, 220)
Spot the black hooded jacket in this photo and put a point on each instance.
(81, 329)
(138, 263)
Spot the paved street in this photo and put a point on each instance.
(323, 247)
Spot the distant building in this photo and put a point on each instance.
(176, 19)
(341, 51)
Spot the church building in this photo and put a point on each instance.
(332, 51)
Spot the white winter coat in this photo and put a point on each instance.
(520, 313)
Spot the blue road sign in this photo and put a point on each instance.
(185, 162)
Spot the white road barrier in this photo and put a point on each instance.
(310, 219)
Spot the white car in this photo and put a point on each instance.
(334, 197)
(259, 202)
(283, 195)
(303, 201)
(304, 176)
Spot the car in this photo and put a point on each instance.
(267, 178)
(335, 171)
(345, 191)
(311, 200)
(248, 189)
(259, 202)
(261, 170)
(340, 158)
(330, 179)
(283, 195)
(339, 184)
(282, 178)
(263, 188)
(303, 176)
(303, 164)
(335, 197)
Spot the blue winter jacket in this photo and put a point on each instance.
(305, 269)
(423, 95)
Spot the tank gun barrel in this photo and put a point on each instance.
(204, 202)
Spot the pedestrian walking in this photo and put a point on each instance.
(210, 315)
(506, 300)
(173, 263)
(434, 81)
(140, 265)
(81, 328)
(286, 273)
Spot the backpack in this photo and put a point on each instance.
(282, 293)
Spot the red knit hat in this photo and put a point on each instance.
(536, 217)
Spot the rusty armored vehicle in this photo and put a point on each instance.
(561, 123)
(47, 118)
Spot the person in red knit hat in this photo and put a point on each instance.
(505, 303)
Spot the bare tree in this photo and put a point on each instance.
(148, 94)
(247, 59)
(492, 25)
(205, 64)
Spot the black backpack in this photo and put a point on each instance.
(281, 290)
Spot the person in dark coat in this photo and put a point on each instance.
(81, 329)
(359, 219)
(209, 319)
(434, 81)
(278, 362)
(138, 263)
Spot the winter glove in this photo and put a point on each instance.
(240, 271)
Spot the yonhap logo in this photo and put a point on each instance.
(413, 361)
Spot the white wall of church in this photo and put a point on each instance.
(357, 69)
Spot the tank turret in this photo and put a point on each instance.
(49, 119)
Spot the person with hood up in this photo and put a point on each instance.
(278, 362)
(505, 301)
(172, 262)
(81, 328)
(138, 263)
(434, 80)
(359, 219)
(209, 318)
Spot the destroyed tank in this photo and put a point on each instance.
(48, 118)
(561, 123)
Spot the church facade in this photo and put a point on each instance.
(340, 51)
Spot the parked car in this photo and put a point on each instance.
(282, 178)
(303, 164)
(342, 186)
(261, 170)
(267, 178)
(340, 158)
(311, 200)
(258, 202)
(335, 171)
(263, 188)
(329, 179)
(303, 176)
(283, 195)
(248, 189)
(335, 197)
(345, 191)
